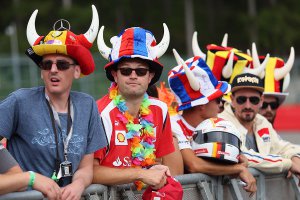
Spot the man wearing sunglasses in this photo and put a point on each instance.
(269, 107)
(140, 144)
(260, 142)
(50, 129)
(199, 94)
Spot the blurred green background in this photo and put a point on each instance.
(272, 24)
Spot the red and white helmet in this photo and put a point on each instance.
(217, 139)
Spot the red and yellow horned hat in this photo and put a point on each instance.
(276, 76)
(227, 62)
(63, 41)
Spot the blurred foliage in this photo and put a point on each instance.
(275, 23)
(272, 24)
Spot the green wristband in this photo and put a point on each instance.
(31, 179)
(54, 177)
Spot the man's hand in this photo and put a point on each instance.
(73, 191)
(248, 178)
(47, 186)
(156, 176)
(295, 165)
(295, 169)
(243, 160)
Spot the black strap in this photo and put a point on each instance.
(57, 160)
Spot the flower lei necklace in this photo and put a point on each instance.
(140, 135)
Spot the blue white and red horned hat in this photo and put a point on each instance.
(193, 83)
(134, 42)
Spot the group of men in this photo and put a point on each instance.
(63, 140)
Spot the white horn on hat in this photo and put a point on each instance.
(279, 73)
(162, 47)
(255, 57)
(224, 41)
(286, 82)
(103, 49)
(196, 49)
(91, 34)
(258, 68)
(258, 71)
(261, 71)
(249, 52)
(31, 33)
(189, 74)
(227, 70)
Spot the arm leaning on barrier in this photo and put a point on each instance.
(267, 163)
(155, 176)
(195, 164)
(295, 169)
(20, 181)
(174, 160)
(93, 189)
(81, 179)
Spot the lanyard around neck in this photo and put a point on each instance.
(55, 118)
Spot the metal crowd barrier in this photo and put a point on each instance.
(195, 187)
(92, 192)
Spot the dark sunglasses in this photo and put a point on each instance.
(60, 64)
(139, 71)
(219, 100)
(274, 105)
(242, 99)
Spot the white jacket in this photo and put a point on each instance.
(274, 153)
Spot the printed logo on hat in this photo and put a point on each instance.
(248, 79)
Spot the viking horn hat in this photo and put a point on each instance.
(64, 42)
(193, 82)
(134, 42)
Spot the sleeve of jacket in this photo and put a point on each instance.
(270, 163)
(278, 158)
(283, 147)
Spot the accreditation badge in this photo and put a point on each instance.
(65, 169)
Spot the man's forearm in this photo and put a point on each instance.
(112, 176)
(13, 182)
(84, 174)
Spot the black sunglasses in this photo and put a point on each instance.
(139, 71)
(219, 100)
(274, 105)
(60, 64)
(242, 99)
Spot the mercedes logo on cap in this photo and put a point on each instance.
(62, 25)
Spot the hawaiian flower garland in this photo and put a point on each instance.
(140, 135)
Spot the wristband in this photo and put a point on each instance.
(31, 179)
(54, 177)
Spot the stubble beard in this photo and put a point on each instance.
(248, 118)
